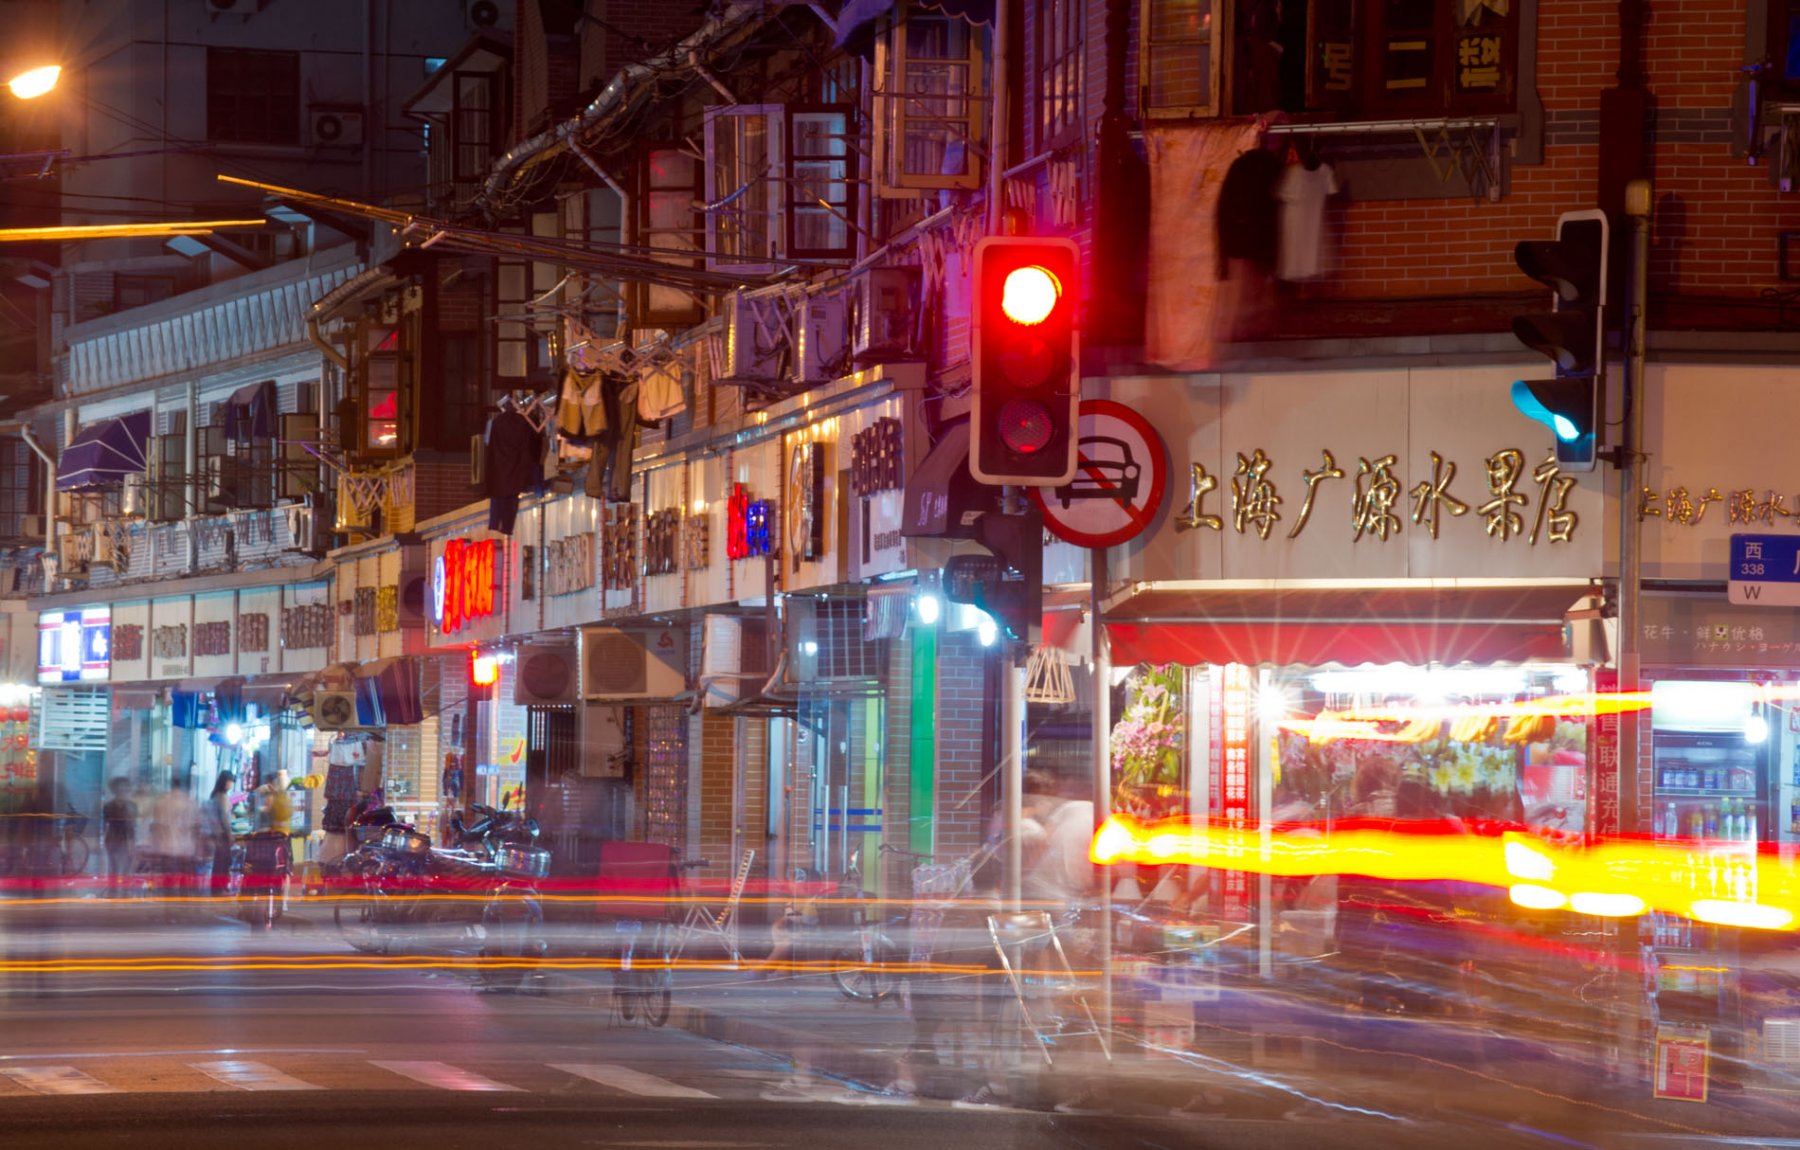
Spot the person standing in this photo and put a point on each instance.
(217, 813)
(175, 837)
(119, 819)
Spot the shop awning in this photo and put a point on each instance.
(942, 499)
(105, 452)
(1320, 627)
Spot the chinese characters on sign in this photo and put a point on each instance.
(806, 502)
(619, 546)
(1603, 737)
(212, 638)
(128, 642)
(662, 543)
(463, 583)
(253, 632)
(169, 642)
(1234, 749)
(696, 536)
(876, 459)
(387, 608)
(364, 623)
(1683, 506)
(1478, 63)
(750, 523)
(1376, 501)
(303, 627)
(569, 564)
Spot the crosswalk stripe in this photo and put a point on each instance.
(57, 1080)
(629, 1080)
(442, 1075)
(251, 1076)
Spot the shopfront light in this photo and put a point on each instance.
(484, 670)
(234, 733)
(987, 631)
(929, 608)
(810, 647)
(1756, 730)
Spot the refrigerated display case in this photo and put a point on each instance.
(1710, 761)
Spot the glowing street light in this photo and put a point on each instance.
(35, 82)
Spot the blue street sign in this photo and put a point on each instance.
(1765, 569)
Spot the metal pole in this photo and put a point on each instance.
(1637, 210)
(1012, 771)
(1100, 658)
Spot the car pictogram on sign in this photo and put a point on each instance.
(1107, 471)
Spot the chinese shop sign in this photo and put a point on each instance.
(806, 503)
(750, 525)
(462, 584)
(1513, 502)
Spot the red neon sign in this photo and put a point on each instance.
(467, 581)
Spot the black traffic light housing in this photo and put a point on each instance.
(1017, 546)
(1026, 361)
(1572, 335)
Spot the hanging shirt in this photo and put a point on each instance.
(1303, 192)
(514, 454)
(1249, 215)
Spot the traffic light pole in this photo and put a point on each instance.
(1637, 210)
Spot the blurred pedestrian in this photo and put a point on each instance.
(217, 823)
(175, 836)
(119, 833)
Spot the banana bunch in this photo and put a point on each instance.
(1419, 731)
(1531, 729)
(1475, 728)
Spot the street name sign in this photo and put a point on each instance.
(1765, 569)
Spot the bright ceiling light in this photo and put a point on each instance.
(35, 82)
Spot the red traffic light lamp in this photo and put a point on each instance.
(1026, 361)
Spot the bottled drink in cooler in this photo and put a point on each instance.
(1711, 825)
(1671, 826)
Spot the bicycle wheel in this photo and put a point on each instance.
(864, 973)
(658, 978)
(513, 926)
(73, 857)
(359, 923)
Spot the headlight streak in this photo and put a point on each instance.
(1726, 883)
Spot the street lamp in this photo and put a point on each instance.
(35, 82)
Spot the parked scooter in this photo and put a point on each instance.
(482, 890)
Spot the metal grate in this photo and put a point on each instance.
(1781, 1040)
(665, 777)
(75, 719)
(826, 641)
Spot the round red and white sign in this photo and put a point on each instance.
(1121, 479)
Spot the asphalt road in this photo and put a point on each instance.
(120, 1028)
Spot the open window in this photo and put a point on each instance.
(779, 185)
(671, 223)
(930, 103)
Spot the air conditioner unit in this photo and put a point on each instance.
(547, 676)
(334, 128)
(31, 526)
(72, 553)
(334, 710)
(620, 665)
(753, 335)
(303, 526)
(820, 335)
(136, 499)
(483, 13)
(735, 660)
(106, 553)
(885, 301)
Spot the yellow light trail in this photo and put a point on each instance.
(74, 233)
(1726, 883)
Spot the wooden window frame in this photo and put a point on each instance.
(1057, 60)
(898, 114)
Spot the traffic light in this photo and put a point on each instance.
(1027, 371)
(1572, 335)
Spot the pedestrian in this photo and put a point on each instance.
(119, 833)
(175, 836)
(217, 814)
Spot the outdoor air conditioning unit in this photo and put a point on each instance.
(31, 526)
(483, 13)
(106, 551)
(820, 336)
(885, 302)
(620, 665)
(753, 335)
(334, 128)
(547, 676)
(735, 661)
(136, 498)
(303, 527)
(72, 552)
(334, 710)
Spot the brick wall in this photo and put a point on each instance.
(442, 486)
(965, 723)
(1717, 221)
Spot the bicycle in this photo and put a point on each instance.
(644, 983)
(866, 970)
(61, 851)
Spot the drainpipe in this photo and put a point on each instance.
(998, 145)
(49, 488)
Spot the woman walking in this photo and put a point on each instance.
(218, 831)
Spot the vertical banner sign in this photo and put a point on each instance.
(1603, 748)
(1234, 803)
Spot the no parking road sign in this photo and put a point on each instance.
(1121, 479)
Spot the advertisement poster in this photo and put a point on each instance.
(1681, 1065)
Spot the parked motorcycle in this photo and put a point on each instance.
(482, 891)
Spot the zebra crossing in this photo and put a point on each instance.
(599, 1080)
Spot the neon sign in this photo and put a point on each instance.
(750, 525)
(462, 584)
